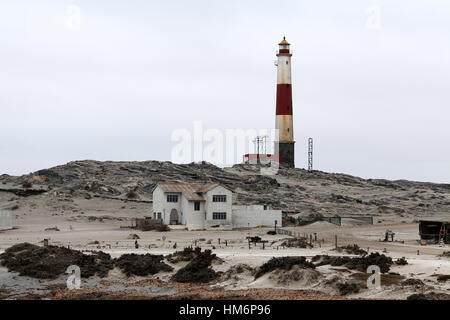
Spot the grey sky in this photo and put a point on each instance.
(376, 102)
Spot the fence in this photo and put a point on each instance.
(335, 220)
(285, 232)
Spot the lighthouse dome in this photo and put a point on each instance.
(284, 42)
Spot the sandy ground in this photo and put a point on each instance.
(79, 230)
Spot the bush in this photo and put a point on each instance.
(198, 270)
(50, 262)
(348, 288)
(27, 185)
(132, 195)
(443, 277)
(141, 265)
(352, 249)
(401, 262)
(357, 263)
(151, 224)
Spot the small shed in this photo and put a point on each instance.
(5, 220)
(433, 231)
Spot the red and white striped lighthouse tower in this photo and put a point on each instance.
(284, 147)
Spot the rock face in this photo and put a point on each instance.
(313, 193)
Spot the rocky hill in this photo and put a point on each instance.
(292, 190)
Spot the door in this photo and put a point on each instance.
(174, 216)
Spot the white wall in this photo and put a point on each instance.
(195, 220)
(5, 220)
(254, 216)
(160, 204)
(218, 206)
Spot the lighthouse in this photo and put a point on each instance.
(284, 146)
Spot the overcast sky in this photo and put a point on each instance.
(373, 93)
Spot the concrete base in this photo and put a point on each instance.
(5, 221)
(286, 152)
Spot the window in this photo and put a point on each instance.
(159, 215)
(219, 216)
(172, 198)
(197, 205)
(219, 198)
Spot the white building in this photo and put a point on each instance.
(203, 206)
(5, 220)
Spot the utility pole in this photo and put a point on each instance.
(260, 144)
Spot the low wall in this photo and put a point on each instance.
(5, 220)
(334, 220)
(252, 217)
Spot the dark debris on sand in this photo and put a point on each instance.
(429, 296)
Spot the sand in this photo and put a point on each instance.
(77, 232)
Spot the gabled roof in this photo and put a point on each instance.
(187, 189)
(191, 191)
(210, 186)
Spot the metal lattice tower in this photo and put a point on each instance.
(310, 154)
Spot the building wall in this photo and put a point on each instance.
(5, 220)
(194, 220)
(218, 206)
(253, 216)
(160, 204)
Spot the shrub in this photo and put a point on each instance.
(132, 195)
(198, 270)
